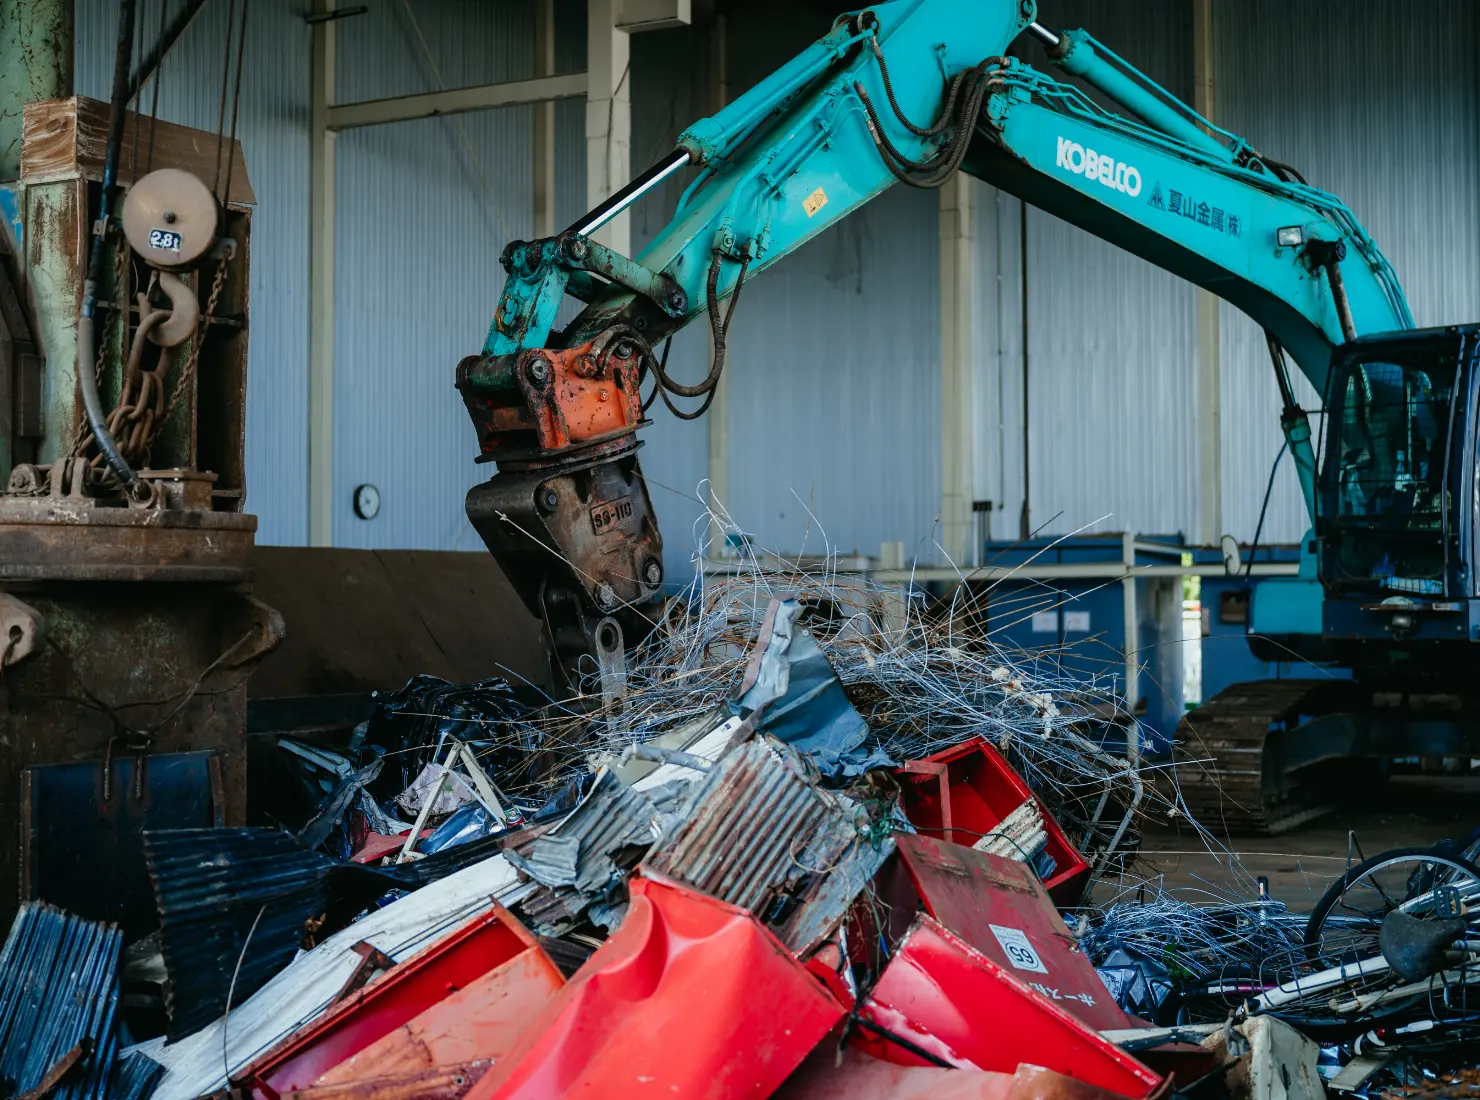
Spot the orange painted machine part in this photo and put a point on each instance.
(690, 997)
(577, 397)
(478, 1021)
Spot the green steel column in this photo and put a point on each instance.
(35, 63)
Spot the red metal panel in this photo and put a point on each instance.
(861, 1077)
(478, 1022)
(946, 998)
(451, 963)
(689, 998)
(991, 902)
(965, 792)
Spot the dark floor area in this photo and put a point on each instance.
(1412, 810)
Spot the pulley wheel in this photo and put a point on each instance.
(170, 218)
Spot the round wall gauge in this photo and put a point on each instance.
(367, 501)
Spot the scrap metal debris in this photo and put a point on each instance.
(58, 1005)
(825, 843)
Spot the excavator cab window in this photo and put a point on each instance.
(1387, 465)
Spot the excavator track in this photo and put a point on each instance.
(1225, 769)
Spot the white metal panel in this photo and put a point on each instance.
(997, 390)
(423, 209)
(835, 399)
(273, 130)
(1111, 338)
(1376, 102)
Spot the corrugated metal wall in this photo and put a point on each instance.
(834, 413)
(1111, 340)
(423, 209)
(273, 129)
(1379, 103)
(834, 383)
(834, 398)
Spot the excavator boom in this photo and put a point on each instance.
(908, 91)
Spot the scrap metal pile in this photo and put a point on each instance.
(812, 842)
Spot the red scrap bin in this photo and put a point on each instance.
(965, 792)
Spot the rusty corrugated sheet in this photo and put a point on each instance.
(760, 836)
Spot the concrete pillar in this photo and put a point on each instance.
(957, 344)
(608, 117)
(321, 285)
(35, 64)
(1209, 381)
(544, 122)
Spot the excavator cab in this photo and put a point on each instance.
(1398, 484)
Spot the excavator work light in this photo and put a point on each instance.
(1290, 236)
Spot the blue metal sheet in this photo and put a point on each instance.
(58, 988)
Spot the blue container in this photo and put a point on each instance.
(1068, 609)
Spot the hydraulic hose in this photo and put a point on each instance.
(87, 378)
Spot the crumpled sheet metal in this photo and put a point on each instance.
(946, 998)
(577, 852)
(1276, 1062)
(451, 794)
(999, 907)
(302, 991)
(797, 697)
(458, 959)
(861, 1077)
(757, 833)
(234, 905)
(825, 904)
(573, 861)
(690, 997)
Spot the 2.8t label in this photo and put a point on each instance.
(166, 239)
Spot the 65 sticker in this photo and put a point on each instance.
(1019, 950)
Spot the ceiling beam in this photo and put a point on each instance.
(479, 97)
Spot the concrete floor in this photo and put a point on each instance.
(1412, 811)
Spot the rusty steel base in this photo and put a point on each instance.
(76, 539)
(103, 658)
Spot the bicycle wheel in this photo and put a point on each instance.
(1345, 923)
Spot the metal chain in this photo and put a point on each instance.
(182, 384)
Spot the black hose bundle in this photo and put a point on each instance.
(720, 330)
(87, 378)
(962, 105)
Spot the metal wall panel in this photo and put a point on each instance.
(273, 129)
(669, 91)
(835, 372)
(998, 369)
(1378, 105)
(834, 400)
(423, 209)
(1111, 338)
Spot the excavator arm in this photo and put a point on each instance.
(909, 91)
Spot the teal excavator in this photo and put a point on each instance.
(910, 92)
